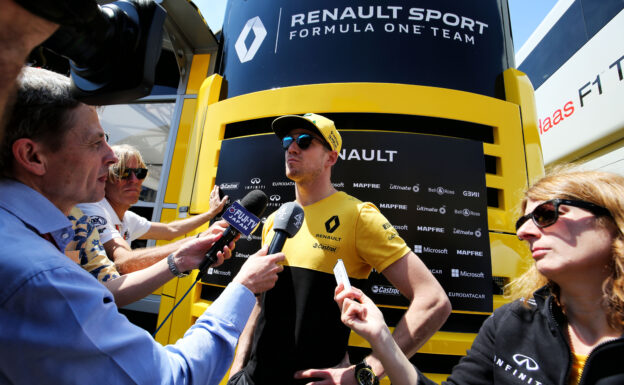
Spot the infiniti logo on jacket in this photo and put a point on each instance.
(524, 363)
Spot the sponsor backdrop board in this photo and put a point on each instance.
(437, 204)
(279, 43)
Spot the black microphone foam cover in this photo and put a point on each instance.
(289, 218)
(255, 202)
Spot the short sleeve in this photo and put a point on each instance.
(90, 253)
(137, 225)
(266, 228)
(100, 220)
(377, 242)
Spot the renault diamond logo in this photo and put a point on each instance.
(246, 54)
(332, 224)
(525, 361)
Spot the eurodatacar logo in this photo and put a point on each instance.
(253, 25)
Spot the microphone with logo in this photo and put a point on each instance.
(242, 218)
(287, 222)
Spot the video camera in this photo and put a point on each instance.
(113, 48)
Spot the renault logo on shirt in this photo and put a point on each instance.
(246, 54)
(525, 361)
(332, 224)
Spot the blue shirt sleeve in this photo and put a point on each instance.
(63, 327)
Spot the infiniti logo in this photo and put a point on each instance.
(525, 361)
(255, 180)
(275, 198)
(246, 54)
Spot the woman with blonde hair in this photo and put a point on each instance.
(566, 323)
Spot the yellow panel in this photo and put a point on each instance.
(438, 378)
(519, 90)
(208, 94)
(180, 150)
(503, 116)
(167, 215)
(181, 319)
(510, 256)
(166, 304)
(199, 72)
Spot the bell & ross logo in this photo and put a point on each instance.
(332, 224)
(246, 54)
(440, 191)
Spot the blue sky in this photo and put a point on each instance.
(526, 15)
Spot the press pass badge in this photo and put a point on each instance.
(340, 273)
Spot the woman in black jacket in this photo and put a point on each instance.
(567, 321)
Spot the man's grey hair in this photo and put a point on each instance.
(41, 112)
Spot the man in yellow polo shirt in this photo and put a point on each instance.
(297, 334)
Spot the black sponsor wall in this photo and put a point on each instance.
(436, 203)
(278, 43)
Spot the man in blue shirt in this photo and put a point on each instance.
(57, 323)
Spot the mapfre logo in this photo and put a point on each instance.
(244, 53)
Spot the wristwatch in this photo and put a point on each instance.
(364, 374)
(173, 268)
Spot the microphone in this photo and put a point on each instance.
(287, 222)
(242, 217)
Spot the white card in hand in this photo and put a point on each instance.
(341, 274)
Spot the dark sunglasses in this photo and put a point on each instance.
(140, 173)
(303, 141)
(547, 213)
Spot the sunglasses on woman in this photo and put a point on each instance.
(303, 141)
(547, 213)
(140, 173)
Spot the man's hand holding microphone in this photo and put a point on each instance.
(215, 245)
